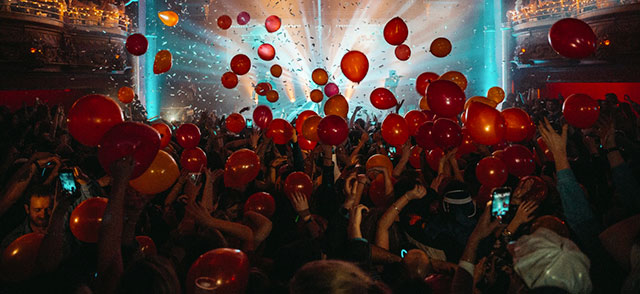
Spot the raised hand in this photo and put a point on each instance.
(299, 202)
(418, 192)
(557, 143)
(485, 225)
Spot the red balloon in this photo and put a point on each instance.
(137, 44)
(332, 130)
(519, 160)
(86, 218)
(430, 115)
(91, 117)
(146, 245)
(320, 76)
(445, 98)
(396, 31)
(545, 149)
(377, 192)
(518, 125)
(223, 270)
(241, 168)
(272, 23)
(280, 131)
(423, 81)
(129, 138)
(301, 118)
(298, 182)
(243, 18)
(262, 203)
(165, 133)
(381, 98)
(424, 136)
(194, 160)
(355, 66)
(414, 119)
(414, 158)
(162, 62)
(483, 196)
(446, 133)
(316, 95)
(306, 144)
(240, 64)
(572, 38)
(395, 130)
(235, 123)
(266, 52)
(440, 47)
(491, 172)
(467, 145)
(229, 80)
(580, 111)
(433, 158)
(262, 116)
(403, 52)
(263, 88)
(498, 154)
(19, 258)
(188, 136)
(331, 89)
(224, 22)
(485, 124)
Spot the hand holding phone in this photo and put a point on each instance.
(68, 181)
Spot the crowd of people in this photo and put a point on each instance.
(573, 226)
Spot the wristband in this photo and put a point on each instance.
(304, 213)
(607, 151)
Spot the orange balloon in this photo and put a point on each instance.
(424, 105)
(480, 99)
(276, 70)
(126, 94)
(355, 66)
(495, 94)
(19, 258)
(241, 168)
(316, 96)
(440, 47)
(163, 62)
(320, 76)
(337, 105)
(310, 128)
(272, 96)
(380, 160)
(456, 77)
(160, 175)
(86, 219)
(165, 133)
(169, 18)
(485, 124)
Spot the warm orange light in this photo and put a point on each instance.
(523, 50)
(33, 50)
(607, 42)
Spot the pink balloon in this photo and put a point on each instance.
(243, 18)
(331, 89)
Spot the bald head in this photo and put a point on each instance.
(417, 264)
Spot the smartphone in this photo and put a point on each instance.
(501, 198)
(46, 170)
(249, 123)
(68, 181)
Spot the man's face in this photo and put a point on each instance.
(39, 210)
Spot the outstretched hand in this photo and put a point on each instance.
(557, 143)
(299, 202)
(485, 225)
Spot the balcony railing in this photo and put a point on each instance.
(556, 9)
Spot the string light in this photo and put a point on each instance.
(563, 8)
(58, 8)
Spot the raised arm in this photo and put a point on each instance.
(240, 231)
(387, 219)
(406, 152)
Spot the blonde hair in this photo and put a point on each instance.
(333, 277)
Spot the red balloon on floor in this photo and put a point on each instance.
(266, 52)
(240, 64)
(580, 111)
(280, 131)
(382, 98)
(86, 218)
(188, 136)
(194, 160)
(229, 80)
(137, 44)
(519, 160)
(241, 168)
(298, 182)
(395, 130)
(395, 31)
(91, 117)
(129, 138)
(332, 130)
(223, 270)
(355, 66)
(272, 23)
(262, 116)
(262, 203)
(235, 123)
(572, 38)
(445, 98)
(491, 172)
